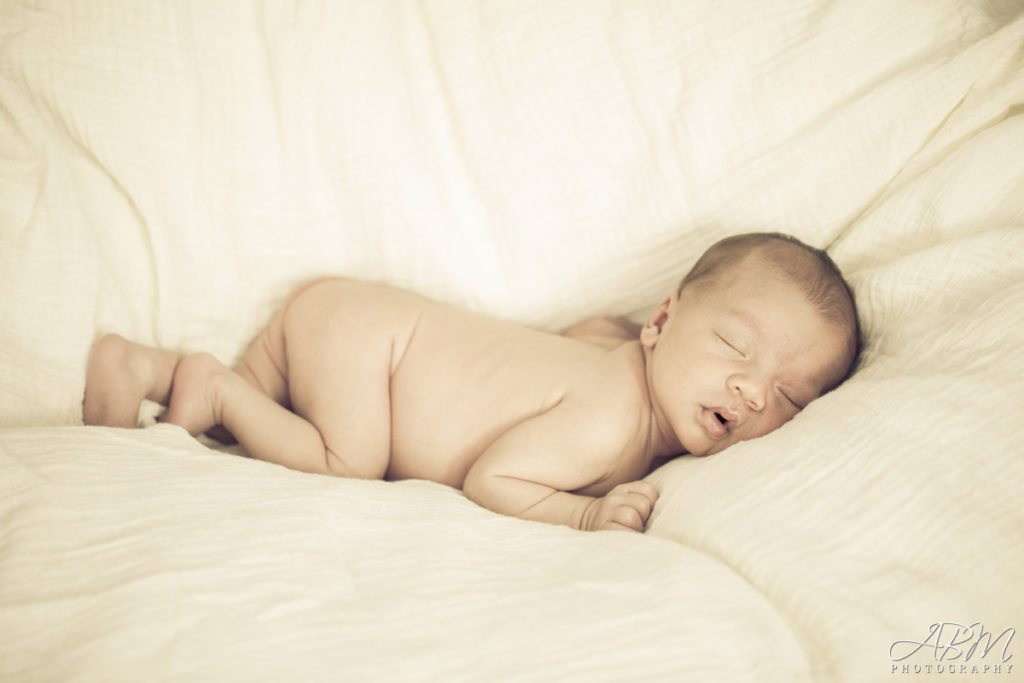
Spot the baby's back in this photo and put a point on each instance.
(466, 378)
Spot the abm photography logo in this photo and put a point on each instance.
(954, 648)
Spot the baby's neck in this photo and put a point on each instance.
(662, 443)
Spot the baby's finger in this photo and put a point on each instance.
(645, 488)
(642, 487)
(639, 502)
(627, 516)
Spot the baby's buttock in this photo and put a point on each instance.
(367, 317)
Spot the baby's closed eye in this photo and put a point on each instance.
(732, 347)
(788, 396)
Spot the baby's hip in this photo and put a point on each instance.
(356, 320)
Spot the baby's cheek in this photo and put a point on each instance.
(770, 422)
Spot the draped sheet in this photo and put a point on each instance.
(170, 170)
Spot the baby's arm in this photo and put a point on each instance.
(604, 331)
(531, 469)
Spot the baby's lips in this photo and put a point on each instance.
(730, 414)
(712, 425)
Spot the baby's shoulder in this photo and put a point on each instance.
(617, 408)
(614, 436)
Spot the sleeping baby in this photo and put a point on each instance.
(364, 380)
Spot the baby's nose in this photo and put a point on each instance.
(750, 392)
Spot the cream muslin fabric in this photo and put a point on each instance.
(170, 170)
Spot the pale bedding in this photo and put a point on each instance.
(170, 170)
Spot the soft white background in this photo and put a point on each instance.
(169, 170)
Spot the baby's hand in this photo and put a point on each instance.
(626, 508)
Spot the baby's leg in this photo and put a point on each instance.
(335, 374)
(265, 363)
(120, 374)
(339, 339)
(208, 394)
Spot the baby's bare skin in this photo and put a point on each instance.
(400, 387)
(447, 386)
(364, 380)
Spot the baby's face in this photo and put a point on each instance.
(738, 356)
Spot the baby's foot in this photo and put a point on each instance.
(119, 376)
(196, 394)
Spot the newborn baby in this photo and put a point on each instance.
(364, 380)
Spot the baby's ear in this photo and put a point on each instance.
(649, 335)
(651, 330)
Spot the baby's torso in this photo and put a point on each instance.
(458, 380)
(465, 378)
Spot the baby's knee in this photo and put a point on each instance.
(366, 466)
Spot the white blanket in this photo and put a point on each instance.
(169, 170)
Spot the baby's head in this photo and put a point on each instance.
(762, 325)
(812, 270)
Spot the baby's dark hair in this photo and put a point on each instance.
(816, 274)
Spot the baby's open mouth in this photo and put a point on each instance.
(715, 422)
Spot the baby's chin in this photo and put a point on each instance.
(701, 448)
